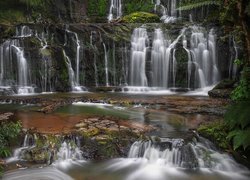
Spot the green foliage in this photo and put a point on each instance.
(97, 8)
(237, 118)
(138, 5)
(8, 131)
(237, 115)
(32, 3)
(217, 132)
(194, 4)
(141, 17)
(242, 91)
(240, 138)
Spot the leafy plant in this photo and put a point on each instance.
(8, 131)
(242, 91)
(237, 118)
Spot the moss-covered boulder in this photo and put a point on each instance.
(223, 89)
(141, 17)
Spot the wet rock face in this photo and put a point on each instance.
(223, 89)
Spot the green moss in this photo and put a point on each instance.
(217, 132)
(132, 6)
(141, 17)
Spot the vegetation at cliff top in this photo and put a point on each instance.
(141, 17)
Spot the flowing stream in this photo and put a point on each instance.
(173, 152)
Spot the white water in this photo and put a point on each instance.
(115, 10)
(169, 14)
(75, 73)
(204, 57)
(28, 142)
(139, 45)
(106, 65)
(23, 73)
(23, 31)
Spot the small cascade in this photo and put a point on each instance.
(29, 142)
(199, 154)
(23, 72)
(23, 31)
(234, 56)
(69, 151)
(106, 65)
(169, 14)
(115, 10)
(168, 151)
(139, 45)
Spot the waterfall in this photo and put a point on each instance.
(115, 10)
(163, 59)
(139, 44)
(23, 72)
(160, 60)
(76, 74)
(106, 65)
(70, 71)
(203, 49)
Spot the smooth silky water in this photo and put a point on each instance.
(178, 153)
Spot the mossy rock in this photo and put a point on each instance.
(216, 132)
(141, 17)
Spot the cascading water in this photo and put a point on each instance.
(163, 59)
(203, 50)
(139, 44)
(29, 142)
(23, 31)
(169, 14)
(115, 10)
(76, 84)
(69, 152)
(23, 72)
(171, 154)
(106, 65)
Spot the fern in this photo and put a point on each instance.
(190, 5)
(240, 138)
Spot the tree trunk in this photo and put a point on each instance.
(242, 17)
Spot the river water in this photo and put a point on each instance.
(179, 153)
